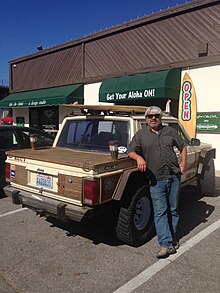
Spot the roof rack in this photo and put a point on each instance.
(107, 109)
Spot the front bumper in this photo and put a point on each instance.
(46, 206)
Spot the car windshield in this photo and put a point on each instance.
(19, 138)
(94, 134)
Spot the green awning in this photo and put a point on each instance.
(153, 85)
(47, 97)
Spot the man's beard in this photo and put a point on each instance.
(155, 126)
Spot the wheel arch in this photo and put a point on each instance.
(130, 182)
(205, 156)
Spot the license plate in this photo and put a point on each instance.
(44, 180)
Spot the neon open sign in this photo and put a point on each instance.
(186, 102)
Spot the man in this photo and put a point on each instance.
(152, 148)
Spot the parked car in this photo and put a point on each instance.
(17, 137)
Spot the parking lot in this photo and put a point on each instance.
(45, 255)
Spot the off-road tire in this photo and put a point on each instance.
(135, 222)
(207, 179)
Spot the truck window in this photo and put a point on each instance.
(93, 134)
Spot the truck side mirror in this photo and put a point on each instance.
(195, 142)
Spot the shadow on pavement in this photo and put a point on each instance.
(2, 194)
(193, 211)
(98, 230)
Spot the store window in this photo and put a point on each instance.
(45, 118)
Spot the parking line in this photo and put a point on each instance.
(160, 264)
(13, 212)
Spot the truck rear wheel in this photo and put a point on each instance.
(207, 179)
(135, 221)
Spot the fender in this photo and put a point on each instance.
(123, 182)
(204, 157)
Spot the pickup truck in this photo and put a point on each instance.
(79, 177)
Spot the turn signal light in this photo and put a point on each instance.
(7, 172)
(90, 191)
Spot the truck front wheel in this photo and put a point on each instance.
(135, 221)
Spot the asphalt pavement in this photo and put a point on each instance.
(44, 255)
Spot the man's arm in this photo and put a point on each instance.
(141, 163)
(183, 155)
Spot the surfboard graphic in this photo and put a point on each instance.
(188, 106)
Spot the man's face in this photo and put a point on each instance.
(153, 120)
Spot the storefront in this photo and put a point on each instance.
(42, 108)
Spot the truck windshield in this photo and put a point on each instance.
(94, 135)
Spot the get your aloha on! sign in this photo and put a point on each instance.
(147, 93)
(208, 122)
(151, 85)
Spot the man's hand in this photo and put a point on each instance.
(182, 168)
(141, 163)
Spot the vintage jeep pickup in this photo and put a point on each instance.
(79, 177)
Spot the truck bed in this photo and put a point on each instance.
(68, 157)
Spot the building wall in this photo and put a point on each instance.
(63, 112)
(91, 93)
(207, 87)
(206, 82)
(59, 68)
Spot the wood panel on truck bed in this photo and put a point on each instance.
(70, 157)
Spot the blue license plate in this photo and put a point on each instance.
(44, 181)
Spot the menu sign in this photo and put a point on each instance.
(208, 122)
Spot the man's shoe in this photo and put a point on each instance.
(176, 244)
(165, 252)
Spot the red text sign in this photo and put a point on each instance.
(186, 102)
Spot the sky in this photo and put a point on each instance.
(27, 24)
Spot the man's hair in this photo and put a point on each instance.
(153, 110)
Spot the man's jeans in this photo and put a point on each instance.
(165, 198)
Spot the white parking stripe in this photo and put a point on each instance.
(13, 212)
(160, 264)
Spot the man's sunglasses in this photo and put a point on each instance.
(150, 116)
